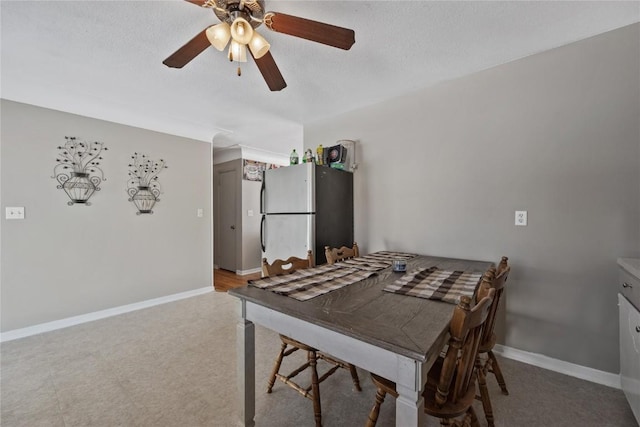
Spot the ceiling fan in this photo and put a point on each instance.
(239, 19)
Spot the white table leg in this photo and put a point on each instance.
(409, 407)
(246, 368)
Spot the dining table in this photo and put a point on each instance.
(376, 323)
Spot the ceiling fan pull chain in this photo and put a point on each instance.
(239, 72)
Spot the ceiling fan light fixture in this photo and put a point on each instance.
(237, 52)
(241, 31)
(239, 19)
(259, 45)
(219, 35)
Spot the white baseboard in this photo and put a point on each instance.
(243, 272)
(560, 366)
(89, 317)
(250, 271)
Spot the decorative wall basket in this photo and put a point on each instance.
(144, 198)
(78, 169)
(143, 186)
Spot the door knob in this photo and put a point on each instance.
(233, 227)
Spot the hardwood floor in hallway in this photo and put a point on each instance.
(223, 280)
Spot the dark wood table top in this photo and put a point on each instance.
(402, 324)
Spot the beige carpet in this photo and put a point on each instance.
(174, 365)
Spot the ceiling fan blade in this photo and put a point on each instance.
(270, 72)
(315, 31)
(197, 2)
(186, 53)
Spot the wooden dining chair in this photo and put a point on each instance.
(289, 346)
(287, 266)
(338, 254)
(486, 361)
(451, 381)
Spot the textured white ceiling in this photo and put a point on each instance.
(103, 59)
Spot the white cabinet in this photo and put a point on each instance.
(630, 339)
(630, 354)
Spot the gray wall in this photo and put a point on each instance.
(557, 134)
(63, 261)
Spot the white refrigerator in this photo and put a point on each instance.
(303, 207)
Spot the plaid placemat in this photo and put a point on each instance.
(311, 282)
(364, 263)
(435, 284)
(389, 256)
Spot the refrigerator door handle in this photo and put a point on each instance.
(262, 195)
(264, 217)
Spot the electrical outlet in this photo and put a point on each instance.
(521, 217)
(14, 213)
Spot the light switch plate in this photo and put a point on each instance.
(199, 213)
(521, 217)
(14, 212)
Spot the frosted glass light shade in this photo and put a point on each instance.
(219, 35)
(241, 31)
(258, 45)
(237, 52)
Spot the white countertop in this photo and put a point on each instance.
(632, 265)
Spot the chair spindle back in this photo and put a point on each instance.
(494, 280)
(466, 331)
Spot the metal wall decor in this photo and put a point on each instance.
(78, 169)
(143, 186)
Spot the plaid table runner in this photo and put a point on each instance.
(389, 256)
(431, 283)
(311, 282)
(364, 263)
